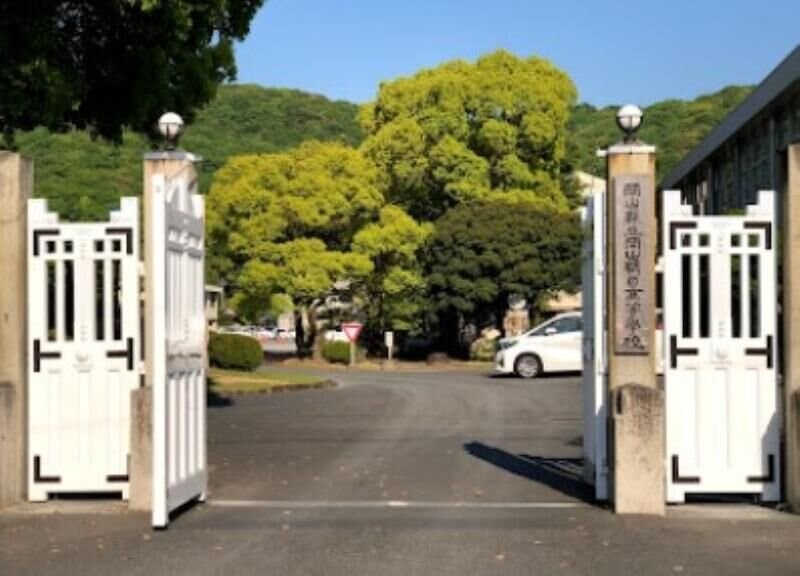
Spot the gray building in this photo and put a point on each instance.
(747, 151)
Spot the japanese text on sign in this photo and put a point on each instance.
(633, 275)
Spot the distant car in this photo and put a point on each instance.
(554, 346)
(284, 334)
(336, 335)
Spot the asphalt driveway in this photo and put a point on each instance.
(440, 437)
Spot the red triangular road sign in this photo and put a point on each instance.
(352, 330)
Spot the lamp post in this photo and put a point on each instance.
(629, 120)
(171, 126)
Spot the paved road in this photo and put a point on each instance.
(312, 483)
(444, 437)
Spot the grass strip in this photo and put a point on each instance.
(225, 382)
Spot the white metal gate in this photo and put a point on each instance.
(179, 337)
(723, 422)
(83, 329)
(594, 346)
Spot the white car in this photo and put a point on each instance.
(554, 346)
(336, 335)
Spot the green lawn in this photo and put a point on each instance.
(230, 382)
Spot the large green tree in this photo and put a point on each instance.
(285, 223)
(464, 132)
(482, 253)
(106, 64)
(394, 293)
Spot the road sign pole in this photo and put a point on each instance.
(352, 331)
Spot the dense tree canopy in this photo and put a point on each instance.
(296, 211)
(394, 292)
(463, 132)
(484, 252)
(108, 64)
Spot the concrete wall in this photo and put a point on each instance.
(16, 186)
(791, 328)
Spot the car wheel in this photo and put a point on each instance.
(528, 366)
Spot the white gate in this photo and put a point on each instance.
(83, 329)
(594, 346)
(723, 422)
(179, 344)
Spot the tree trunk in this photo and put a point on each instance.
(300, 333)
(315, 342)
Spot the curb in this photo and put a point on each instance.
(323, 384)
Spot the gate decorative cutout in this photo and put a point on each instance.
(723, 424)
(179, 344)
(595, 382)
(83, 329)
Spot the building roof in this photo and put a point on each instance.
(775, 84)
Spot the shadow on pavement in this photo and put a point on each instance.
(562, 474)
(214, 400)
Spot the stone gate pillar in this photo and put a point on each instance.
(636, 402)
(791, 325)
(16, 186)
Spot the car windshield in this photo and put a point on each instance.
(560, 325)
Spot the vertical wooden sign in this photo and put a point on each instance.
(633, 277)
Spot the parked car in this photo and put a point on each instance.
(554, 346)
(336, 335)
(284, 334)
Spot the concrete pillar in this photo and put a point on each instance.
(141, 470)
(637, 481)
(16, 186)
(791, 325)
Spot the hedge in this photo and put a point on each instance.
(483, 350)
(336, 352)
(234, 352)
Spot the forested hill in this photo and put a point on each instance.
(674, 126)
(84, 178)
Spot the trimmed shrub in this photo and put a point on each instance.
(483, 350)
(336, 352)
(234, 352)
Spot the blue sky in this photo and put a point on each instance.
(615, 51)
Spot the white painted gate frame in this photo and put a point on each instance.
(740, 371)
(179, 337)
(80, 382)
(595, 374)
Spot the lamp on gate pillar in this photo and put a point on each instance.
(636, 461)
(629, 120)
(170, 125)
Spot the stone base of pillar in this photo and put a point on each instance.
(10, 475)
(793, 451)
(141, 470)
(637, 439)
